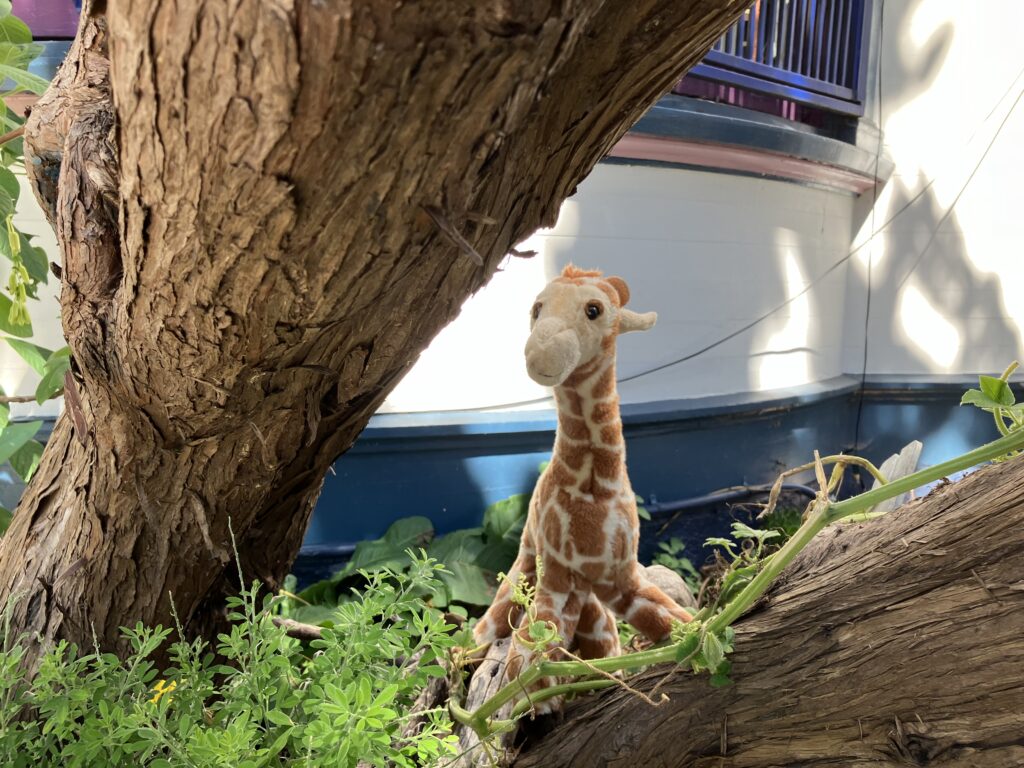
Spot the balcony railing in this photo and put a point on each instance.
(811, 52)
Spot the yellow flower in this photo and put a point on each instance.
(162, 687)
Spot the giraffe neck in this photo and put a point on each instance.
(589, 450)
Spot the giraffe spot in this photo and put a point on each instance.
(560, 474)
(573, 427)
(553, 529)
(574, 456)
(608, 342)
(557, 578)
(620, 545)
(611, 435)
(650, 620)
(586, 529)
(592, 571)
(600, 492)
(605, 385)
(607, 462)
(603, 411)
(589, 616)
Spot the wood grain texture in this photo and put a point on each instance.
(240, 187)
(895, 642)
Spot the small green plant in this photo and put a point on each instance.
(264, 702)
(670, 555)
(995, 396)
(472, 558)
(28, 264)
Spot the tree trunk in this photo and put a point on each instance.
(258, 239)
(894, 642)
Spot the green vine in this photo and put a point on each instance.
(705, 642)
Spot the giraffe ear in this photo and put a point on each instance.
(620, 288)
(634, 321)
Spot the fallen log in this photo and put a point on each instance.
(899, 641)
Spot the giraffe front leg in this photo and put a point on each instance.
(597, 634)
(503, 614)
(555, 609)
(645, 606)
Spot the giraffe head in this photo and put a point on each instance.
(575, 320)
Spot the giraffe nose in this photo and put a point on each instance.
(551, 356)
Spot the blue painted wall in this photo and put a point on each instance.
(450, 472)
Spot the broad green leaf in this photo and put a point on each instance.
(9, 183)
(22, 79)
(25, 460)
(468, 584)
(34, 259)
(5, 8)
(314, 614)
(13, 29)
(15, 435)
(414, 532)
(374, 555)
(5, 520)
(504, 520)
(464, 545)
(32, 354)
(53, 375)
(996, 389)
(979, 399)
(5, 411)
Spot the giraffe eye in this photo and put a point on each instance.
(535, 312)
(593, 310)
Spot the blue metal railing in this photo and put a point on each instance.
(808, 51)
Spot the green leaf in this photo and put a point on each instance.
(996, 390)
(716, 541)
(464, 545)
(53, 375)
(742, 531)
(15, 435)
(25, 460)
(5, 520)
(711, 649)
(36, 263)
(467, 583)
(504, 520)
(13, 29)
(408, 532)
(32, 354)
(23, 79)
(5, 8)
(22, 330)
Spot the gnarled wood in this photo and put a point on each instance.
(273, 270)
(894, 642)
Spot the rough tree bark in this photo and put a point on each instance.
(891, 643)
(241, 193)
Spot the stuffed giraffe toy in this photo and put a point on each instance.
(582, 524)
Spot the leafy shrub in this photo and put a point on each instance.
(268, 701)
(472, 558)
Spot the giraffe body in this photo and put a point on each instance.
(582, 523)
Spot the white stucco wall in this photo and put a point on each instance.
(947, 271)
(708, 251)
(16, 377)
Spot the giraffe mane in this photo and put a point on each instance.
(572, 272)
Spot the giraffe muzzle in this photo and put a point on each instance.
(552, 353)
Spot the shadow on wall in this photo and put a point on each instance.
(932, 310)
